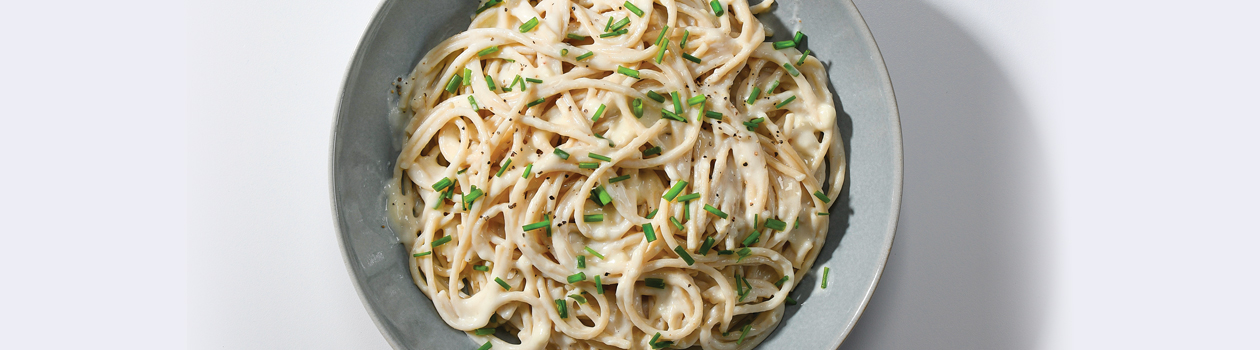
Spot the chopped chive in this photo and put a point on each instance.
(682, 253)
(747, 327)
(579, 298)
(649, 232)
(599, 156)
(485, 331)
(588, 165)
(481, 268)
(779, 45)
(822, 196)
(536, 225)
(634, 9)
(536, 102)
(441, 184)
(619, 179)
(548, 218)
(488, 5)
(695, 100)
(488, 50)
(798, 37)
(586, 55)
(628, 72)
(654, 339)
(781, 281)
(614, 33)
(801, 60)
(599, 285)
(673, 191)
(417, 255)
(739, 287)
(714, 211)
(461, 171)
(490, 83)
(686, 211)
(752, 97)
(773, 86)
(786, 101)
(440, 241)
(791, 70)
(652, 151)
(717, 8)
(505, 285)
(593, 218)
(608, 27)
(743, 253)
(654, 283)
(616, 27)
(529, 25)
(636, 107)
(652, 214)
(673, 95)
(520, 81)
(559, 152)
(486, 346)
(655, 96)
(528, 169)
(688, 197)
(791, 300)
(683, 43)
(756, 221)
(708, 244)
(509, 60)
(563, 308)
(798, 223)
(564, 52)
(473, 102)
(598, 112)
(752, 238)
(689, 57)
(776, 224)
(472, 196)
(753, 124)
(602, 195)
(726, 252)
(670, 115)
(453, 85)
(504, 167)
(575, 36)
(467, 76)
(581, 261)
(662, 35)
(823, 214)
(577, 277)
(678, 225)
(713, 115)
(593, 252)
(826, 271)
(535, 81)
(660, 53)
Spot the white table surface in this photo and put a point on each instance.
(1079, 175)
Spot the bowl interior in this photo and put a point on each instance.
(863, 220)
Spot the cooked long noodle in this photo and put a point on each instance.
(763, 161)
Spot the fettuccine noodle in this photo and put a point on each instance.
(565, 181)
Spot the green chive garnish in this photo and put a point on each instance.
(655, 96)
(417, 255)
(717, 8)
(575, 36)
(652, 151)
(708, 244)
(619, 179)
(683, 43)
(652, 214)
(713, 115)
(743, 253)
(593, 218)
(581, 261)
(781, 281)
(485, 331)
(798, 37)
(599, 285)
(785, 102)
(826, 271)
(770, 90)
(599, 156)
(752, 238)
(726, 252)
(694, 100)
(634, 9)
(563, 308)
(536, 102)
(628, 72)
(488, 5)
(577, 277)
(614, 33)
(673, 191)
(752, 97)
(602, 196)
(779, 45)
(791, 300)
(453, 85)
(588, 165)
(563, 155)
(441, 184)
(595, 253)
(654, 339)
(472, 196)
(503, 284)
(776, 224)
(586, 55)
(823, 214)
(798, 223)
(504, 167)
(678, 225)
(490, 83)
(520, 81)
(714, 211)
(747, 327)
(753, 124)
(488, 50)
(756, 221)
(564, 52)
(682, 253)
(473, 102)
(660, 53)
(662, 36)
(440, 241)
(636, 107)
(670, 115)
(535, 81)
(467, 76)
(801, 60)
(654, 283)
(791, 70)
(822, 196)
(486, 346)
(481, 268)
(673, 95)
(580, 299)
(686, 211)
(649, 232)
(598, 112)
(536, 225)
(608, 27)
(689, 57)
(529, 25)
(621, 24)
(528, 169)
(688, 197)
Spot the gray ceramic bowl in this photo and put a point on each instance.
(863, 220)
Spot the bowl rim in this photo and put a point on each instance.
(352, 71)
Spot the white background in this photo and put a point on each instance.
(1079, 175)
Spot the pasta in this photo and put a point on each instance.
(612, 175)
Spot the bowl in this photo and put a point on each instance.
(863, 219)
